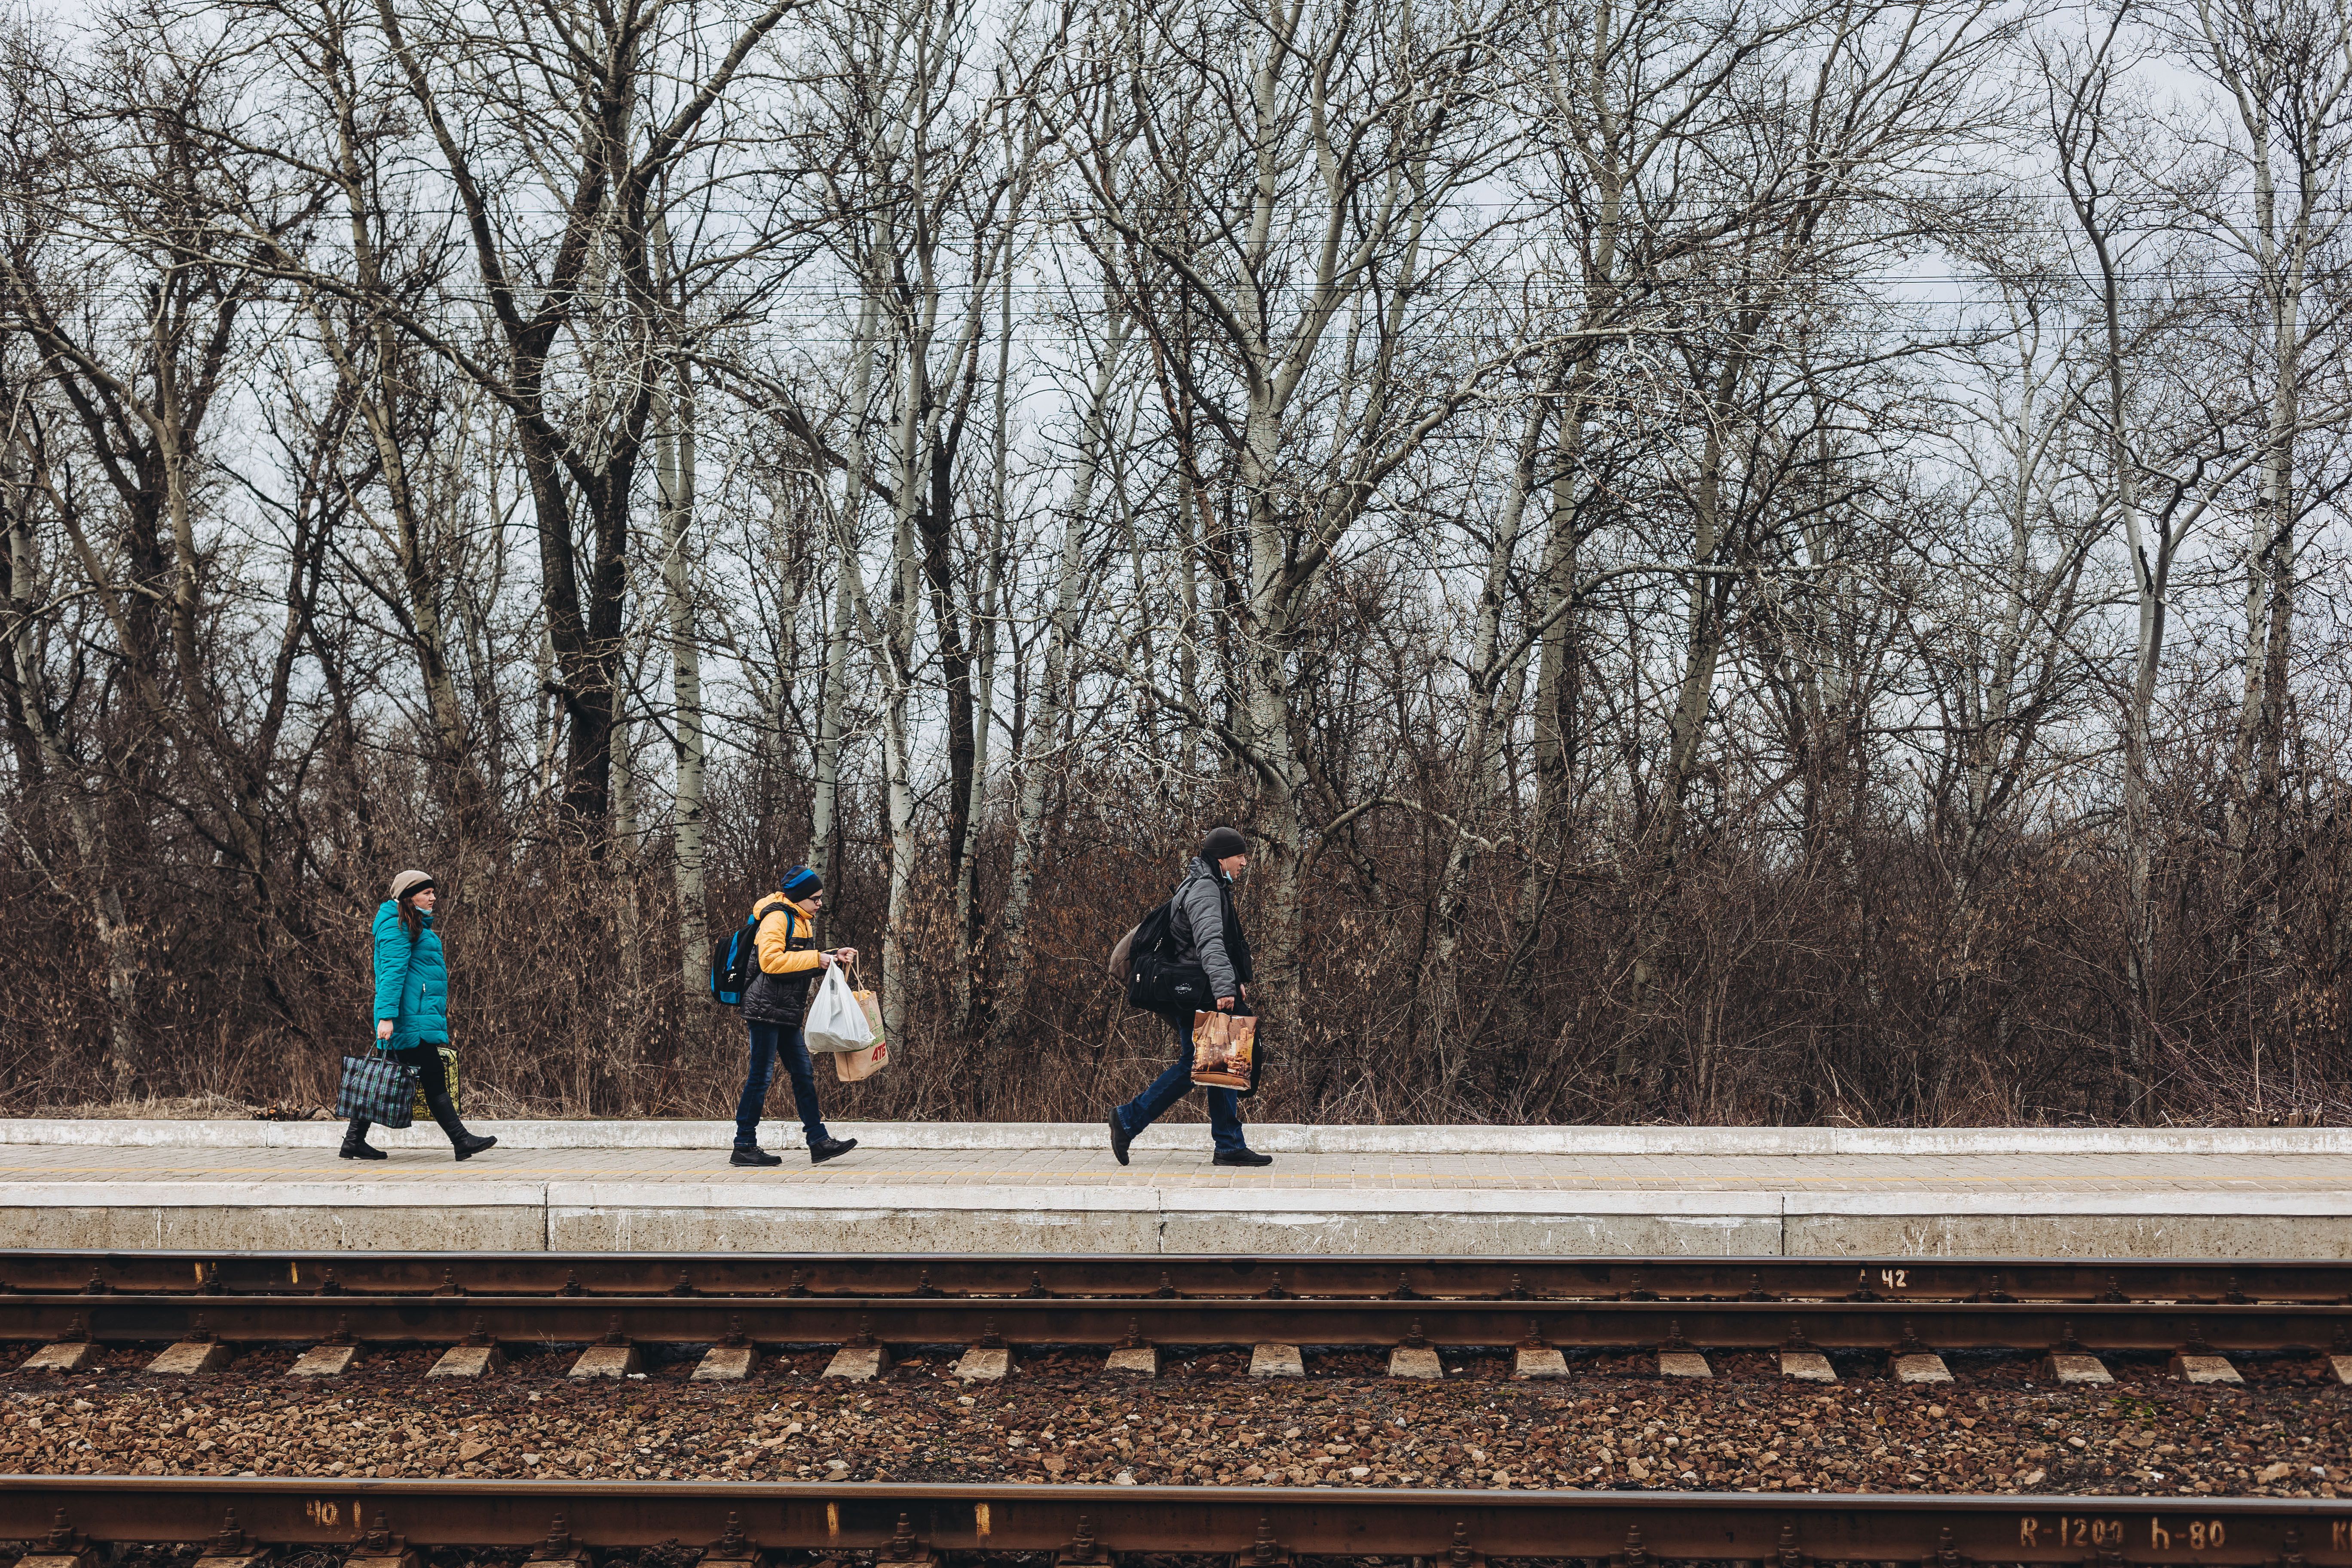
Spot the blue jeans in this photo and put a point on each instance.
(1224, 1105)
(769, 1041)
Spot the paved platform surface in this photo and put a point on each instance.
(934, 1188)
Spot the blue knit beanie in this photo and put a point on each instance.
(800, 882)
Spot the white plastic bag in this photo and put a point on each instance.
(835, 1022)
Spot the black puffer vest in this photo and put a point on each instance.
(782, 999)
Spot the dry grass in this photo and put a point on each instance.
(1779, 996)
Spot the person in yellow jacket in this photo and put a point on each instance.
(774, 1005)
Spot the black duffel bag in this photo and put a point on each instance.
(1156, 980)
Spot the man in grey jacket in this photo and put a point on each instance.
(1206, 929)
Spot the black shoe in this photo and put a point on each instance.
(831, 1149)
(462, 1144)
(1243, 1157)
(753, 1156)
(1120, 1139)
(355, 1143)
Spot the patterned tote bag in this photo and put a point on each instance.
(448, 1076)
(378, 1089)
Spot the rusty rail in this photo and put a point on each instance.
(656, 1319)
(910, 1523)
(1863, 1279)
(1733, 1304)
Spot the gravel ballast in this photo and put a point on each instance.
(1059, 1418)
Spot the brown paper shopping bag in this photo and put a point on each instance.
(852, 1066)
(1224, 1050)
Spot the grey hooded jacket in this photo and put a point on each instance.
(1199, 916)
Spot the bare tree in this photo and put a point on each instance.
(604, 156)
(1287, 178)
(2286, 69)
(1710, 594)
(1056, 687)
(140, 342)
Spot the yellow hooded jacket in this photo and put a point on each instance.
(789, 961)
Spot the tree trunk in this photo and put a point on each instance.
(1559, 667)
(1484, 737)
(1044, 727)
(92, 882)
(895, 655)
(985, 633)
(674, 454)
(1278, 850)
(824, 814)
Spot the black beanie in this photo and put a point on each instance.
(1222, 842)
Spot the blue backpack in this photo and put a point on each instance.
(735, 960)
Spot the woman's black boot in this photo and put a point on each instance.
(466, 1144)
(355, 1143)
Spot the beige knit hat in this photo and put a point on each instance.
(409, 883)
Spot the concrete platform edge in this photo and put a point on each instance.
(1275, 1138)
(603, 1216)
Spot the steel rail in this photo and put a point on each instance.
(862, 1275)
(833, 1300)
(659, 1319)
(1261, 1527)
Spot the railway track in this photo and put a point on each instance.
(382, 1523)
(1894, 1304)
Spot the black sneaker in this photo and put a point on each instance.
(753, 1156)
(1243, 1157)
(1120, 1139)
(831, 1149)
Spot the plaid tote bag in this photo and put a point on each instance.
(377, 1089)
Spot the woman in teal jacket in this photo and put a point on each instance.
(412, 1009)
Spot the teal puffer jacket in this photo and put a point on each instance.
(412, 983)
